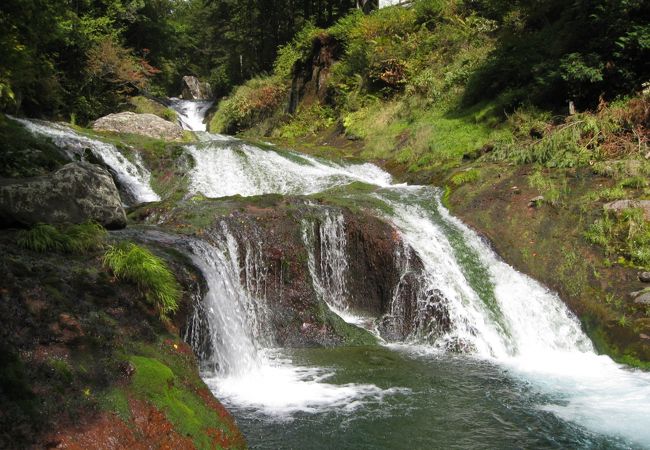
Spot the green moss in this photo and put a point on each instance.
(351, 334)
(143, 105)
(116, 400)
(158, 384)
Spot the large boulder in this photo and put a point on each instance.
(76, 193)
(143, 124)
(193, 89)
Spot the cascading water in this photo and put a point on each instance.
(191, 113)
(327, 258)
(132, 176)
(238, 366)
(494, 312)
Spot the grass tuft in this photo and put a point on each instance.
(79, 238)
(138, 265)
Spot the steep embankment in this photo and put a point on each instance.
(403, 88)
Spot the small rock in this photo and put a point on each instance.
(127, 369)
(643, 299)
(534, 202)
(644, 277)
(645, 337)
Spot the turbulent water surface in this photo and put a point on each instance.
(527, 376)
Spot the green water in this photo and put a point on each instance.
(454, 403)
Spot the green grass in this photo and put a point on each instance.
(79, 238)
(624, 236)
(138, 265)
(464, 177)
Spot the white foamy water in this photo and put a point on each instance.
(243, 371)
(280, 389)
(133, 177)
(191, 113)
(225, 168)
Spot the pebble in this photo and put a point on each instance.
(644, 277)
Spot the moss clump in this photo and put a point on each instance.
(158, 384)
(79, 238)
(136, 264)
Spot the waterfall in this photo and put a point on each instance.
(235, 312)
(326, 244)
(228, 331)
(191, 113)
(459, 296)
(131, 176)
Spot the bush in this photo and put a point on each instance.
(70, 239)
(138, 265)
(250, 103)
(298, 49)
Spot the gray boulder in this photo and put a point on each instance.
(620, 205)
(143, 124)
(643, 299)
(193, 89)
(76, 193)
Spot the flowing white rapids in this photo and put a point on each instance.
(241, 368)
(225, 168)
(496, 313)
(132, 176)
(191, 113)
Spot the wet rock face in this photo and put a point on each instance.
(193, 89)
(76, 193)
(148, 125)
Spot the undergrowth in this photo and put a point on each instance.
(624, 236)
(138, 265)
(78, 238)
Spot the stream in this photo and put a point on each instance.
(510, 368)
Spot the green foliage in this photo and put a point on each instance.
(554, 51)
(80, 238)
(138, 265)
(307, 121)
(551, 189)
(626, 235)
(249, 104)
(464, 177)
(298, 49)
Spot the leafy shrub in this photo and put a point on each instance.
(298, 49)
(138, 265)
(70, 239)
(255, 100)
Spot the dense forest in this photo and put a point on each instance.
(78, 58)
